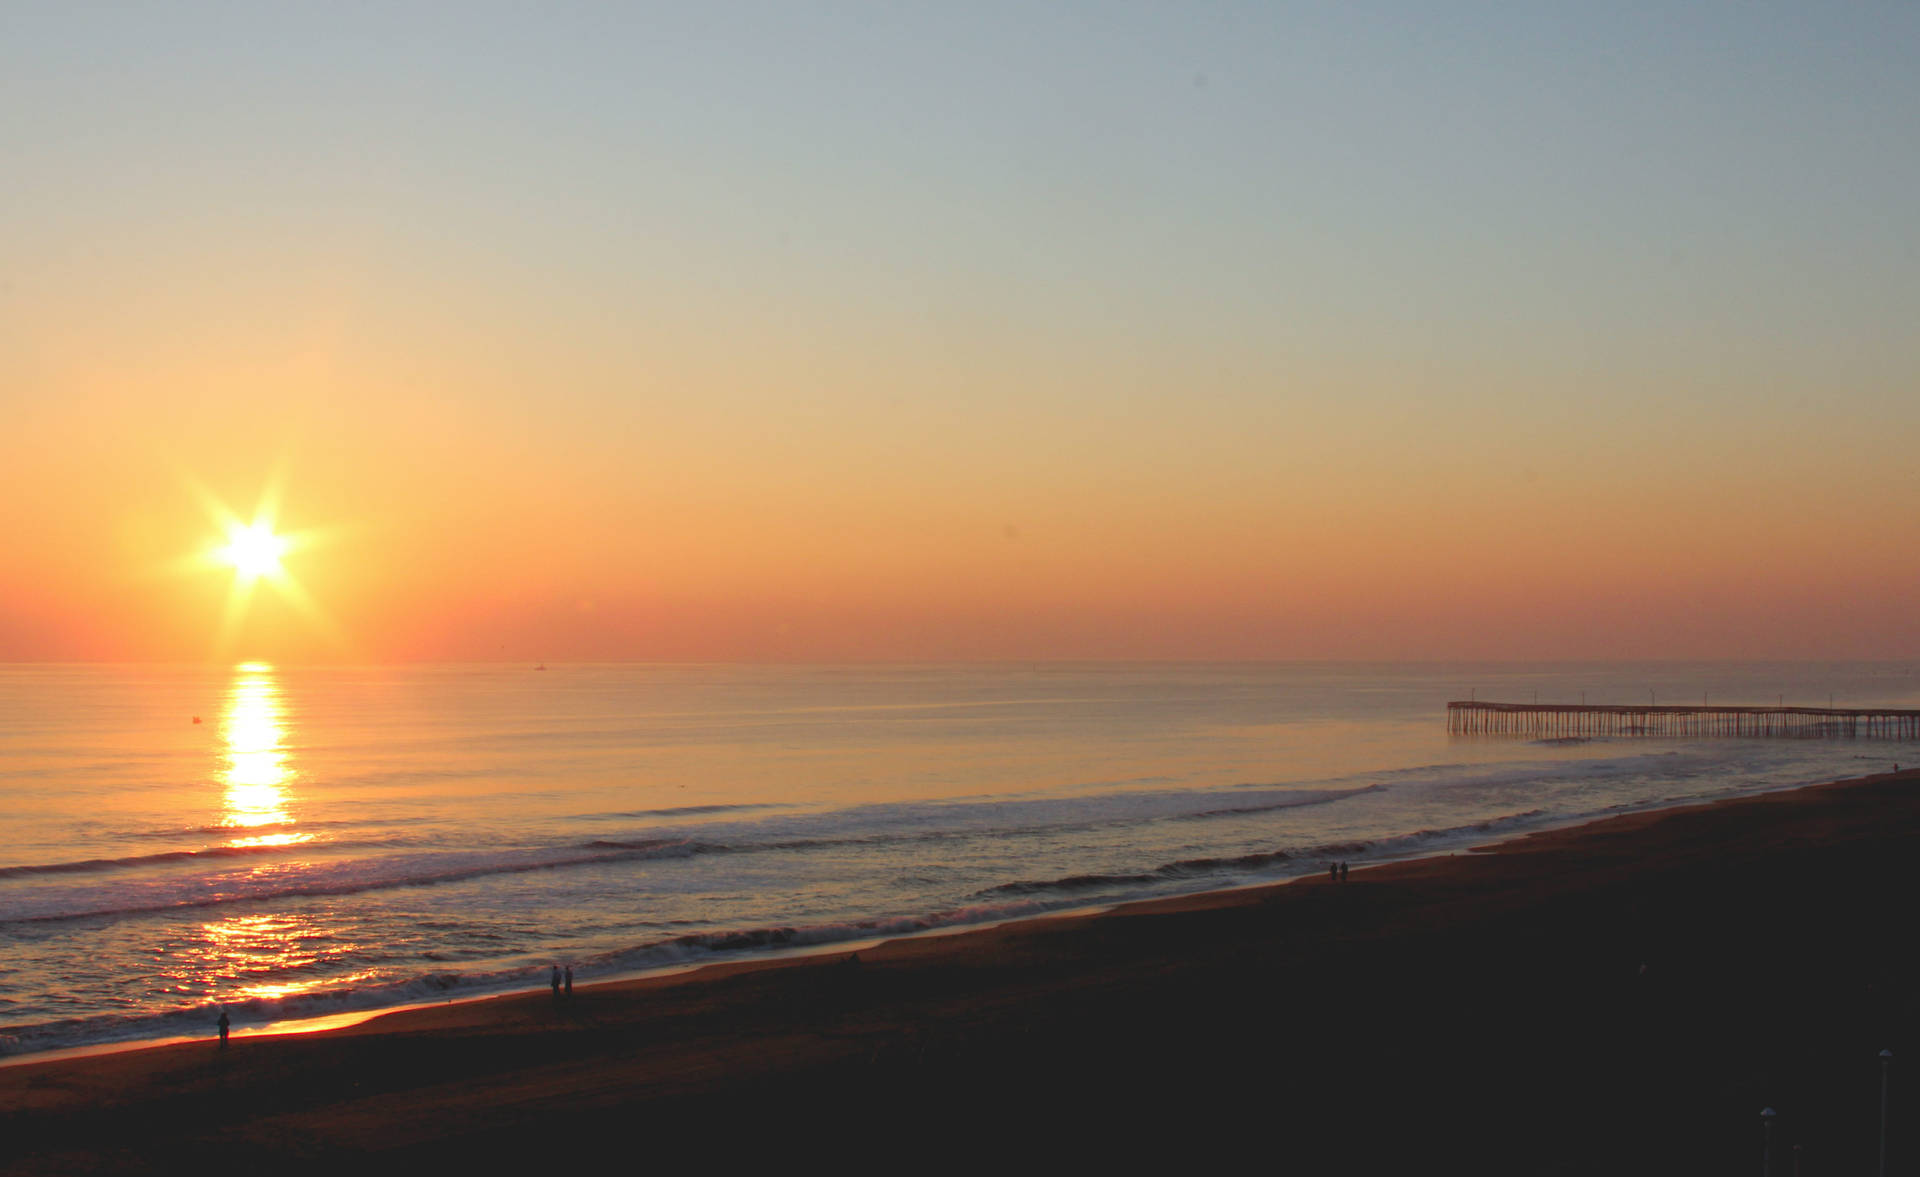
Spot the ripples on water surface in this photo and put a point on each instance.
(332, 839)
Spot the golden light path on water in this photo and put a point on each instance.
(249, 956)
(257, 946)
(256, 774)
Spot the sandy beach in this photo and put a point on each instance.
(1625, 995)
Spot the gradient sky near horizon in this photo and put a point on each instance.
(910, 331)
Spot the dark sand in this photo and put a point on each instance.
(1477, 1013)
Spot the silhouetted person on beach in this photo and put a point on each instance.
(554, 982)
(1333, 872)
(569, 980)
(1343, 872)
(225, 1024)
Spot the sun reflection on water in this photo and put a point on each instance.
(251, 956)
(255, 770)
(269, 955)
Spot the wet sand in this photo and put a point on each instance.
(1622, 996)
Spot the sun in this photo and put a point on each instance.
(253, 550)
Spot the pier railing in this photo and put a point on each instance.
(1572, 720)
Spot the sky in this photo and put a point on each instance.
(805, 331)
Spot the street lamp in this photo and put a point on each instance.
(1766, 1152)
(1886, 1065)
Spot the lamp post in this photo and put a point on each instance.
(1886, 1065)
(1766, 1149)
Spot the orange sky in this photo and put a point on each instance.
(1187, 345)
(847, 527)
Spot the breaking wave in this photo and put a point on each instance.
(1259, 863)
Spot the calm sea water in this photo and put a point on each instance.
(326, 840)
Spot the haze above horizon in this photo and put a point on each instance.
(844, 332)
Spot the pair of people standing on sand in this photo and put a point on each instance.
(1336, 872)
(557, 979)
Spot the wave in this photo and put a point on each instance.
(1469, 774)
(208, 854)
(683, 811)
(1322, 799)
(342, 878)
(1188, 869)
(222, 831)
(648, 844)
(686, 948)
(692, 945)
(106, 864)
(1014, 900)
(869, 829)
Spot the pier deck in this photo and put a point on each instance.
(1568, 720)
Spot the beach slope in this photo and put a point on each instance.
(1623, 995)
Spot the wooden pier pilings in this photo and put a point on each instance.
(1566, 721)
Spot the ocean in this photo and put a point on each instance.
(291, 843)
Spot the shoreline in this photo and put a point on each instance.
(1644, 946)
(321, 1023)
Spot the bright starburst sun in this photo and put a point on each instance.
(253, 552)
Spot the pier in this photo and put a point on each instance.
(1566, 720)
